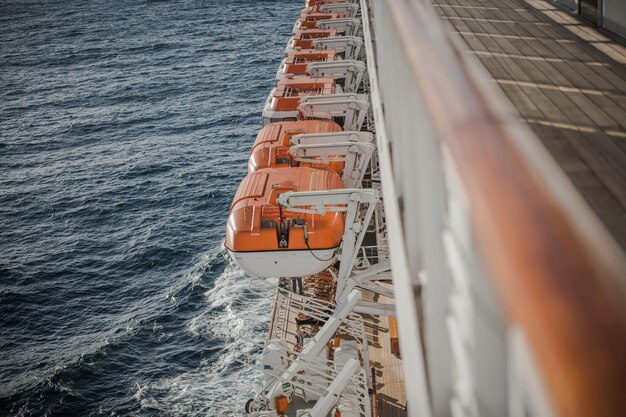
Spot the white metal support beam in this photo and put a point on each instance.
(347, 9)
(345, 26)
(324, 405)
(350, 70)
(349, 106)
(347, 200)
(367, 280)
(315, 346)
(349, 46)
(375, 309)
(355, 149)
(378, 289)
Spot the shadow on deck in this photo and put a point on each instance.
(567, 81)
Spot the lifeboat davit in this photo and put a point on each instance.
(303, 39)
(297, 61)
(309, 20)
(316, 3)
(282, 103)
(311, 9)
(269, 241)
(271, 148)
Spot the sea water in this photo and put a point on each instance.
(125, 127)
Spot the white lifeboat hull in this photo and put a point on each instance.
(275, 264)
(280, 74)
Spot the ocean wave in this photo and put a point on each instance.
(236, 319)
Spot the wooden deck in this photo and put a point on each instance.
(567, 81)
(389, 377)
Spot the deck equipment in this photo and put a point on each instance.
(271, 147)
(346, 73)
(309, 20)
(296, 62)
(347, 47)
(282, 103)
(268, 241)
(344, 26)
(347, 109)
(297, 143)
(303, 39)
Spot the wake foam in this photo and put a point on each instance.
(237, 319)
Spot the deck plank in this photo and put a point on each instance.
(391, 395)
(567, 80)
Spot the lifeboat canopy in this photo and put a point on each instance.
(271, 148)
(296, 62)
(282, 103)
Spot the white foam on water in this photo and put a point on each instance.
(237, 318)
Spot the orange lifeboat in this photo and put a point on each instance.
(271, 148)
(317, 3)
(282, 103)
(267, 240)
(297, 61)
(342, 10)
(303, 39)
(308, 20)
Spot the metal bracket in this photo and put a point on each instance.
(353, 148)
(347, 9)
(349, 106)
(346, 200)
(349, 46)
(324, 405)
(345, 26)
(316, 345)
(349, 70)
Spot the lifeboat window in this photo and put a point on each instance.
(268, 224)
(282, 161)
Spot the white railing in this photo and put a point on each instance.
(490, 246)
(318, 372)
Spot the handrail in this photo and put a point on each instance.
(557, 273)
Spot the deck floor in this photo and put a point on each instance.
(390, 393)
(567, 80)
